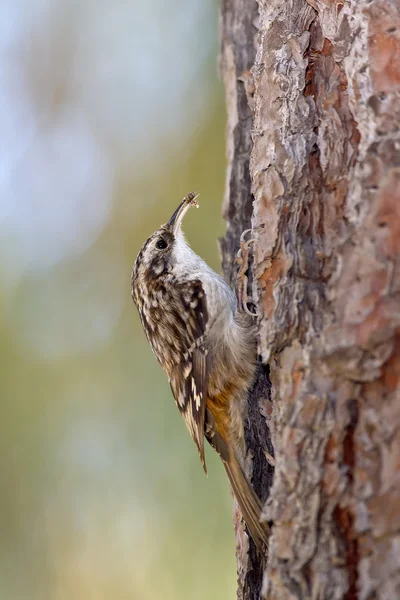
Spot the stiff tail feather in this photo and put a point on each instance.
(248, 501)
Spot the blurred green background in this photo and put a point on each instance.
(110, 113)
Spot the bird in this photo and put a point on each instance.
(206, 345)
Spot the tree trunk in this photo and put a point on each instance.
(313, 98)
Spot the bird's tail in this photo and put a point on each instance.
(248, 501)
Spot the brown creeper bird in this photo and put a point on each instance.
(205, 345)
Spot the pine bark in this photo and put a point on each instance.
(313, 145)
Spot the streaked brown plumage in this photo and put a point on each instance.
(205, 345)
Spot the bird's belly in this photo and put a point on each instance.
(219, 404)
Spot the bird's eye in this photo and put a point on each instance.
(161, 244)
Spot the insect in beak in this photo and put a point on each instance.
(177, 218)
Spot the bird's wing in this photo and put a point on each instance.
(189, 379)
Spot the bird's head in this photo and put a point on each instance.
(166, 247)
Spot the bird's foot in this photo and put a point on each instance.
(242, 259)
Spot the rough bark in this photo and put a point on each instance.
(238, 51)
(313, 97)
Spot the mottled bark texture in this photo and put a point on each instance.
(313, 97)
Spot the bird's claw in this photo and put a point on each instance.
(242, 258)
(242, 238)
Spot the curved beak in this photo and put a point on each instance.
(177, 218)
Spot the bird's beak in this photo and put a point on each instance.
(177, 218)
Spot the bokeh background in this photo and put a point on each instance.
(110, 113)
